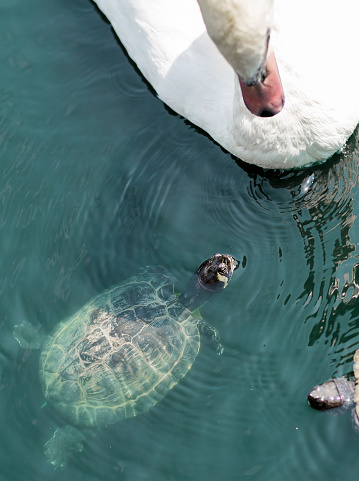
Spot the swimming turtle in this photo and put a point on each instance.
(339, 392)
(123, 351)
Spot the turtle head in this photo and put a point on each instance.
(215, 273)
(212, 276)
(332, 394)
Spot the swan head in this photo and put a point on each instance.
(241, 31)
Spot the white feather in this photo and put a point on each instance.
(315, 44)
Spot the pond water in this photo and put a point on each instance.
(97, 180)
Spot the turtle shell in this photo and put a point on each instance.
(121, 353)
(356, 389)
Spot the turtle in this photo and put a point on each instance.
(338, 393)
(123, 351)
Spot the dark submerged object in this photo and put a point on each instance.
(332, 394)
(338, 393)
(124, 350)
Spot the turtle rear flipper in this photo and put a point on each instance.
(64, 443)
(28, 336)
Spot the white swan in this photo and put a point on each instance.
(315, 44)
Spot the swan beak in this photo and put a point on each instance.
(266, 98)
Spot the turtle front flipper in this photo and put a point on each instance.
(212, 334)
(28, 336)
(64, 443)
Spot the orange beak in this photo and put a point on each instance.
(266, 98)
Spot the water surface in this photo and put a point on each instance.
(99, 179)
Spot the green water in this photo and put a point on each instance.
(99, 179)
